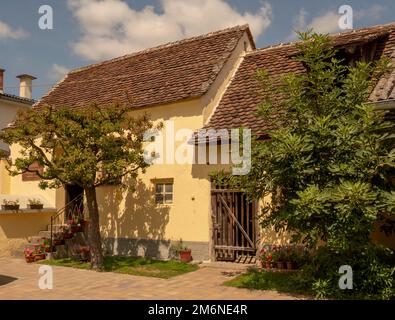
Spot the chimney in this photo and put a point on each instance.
(2, 80)
(25, 86)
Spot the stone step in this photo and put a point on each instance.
(56, 227)
(36, 240)
(45, 234)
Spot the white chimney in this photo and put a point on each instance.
(2, 80)
(25, 86)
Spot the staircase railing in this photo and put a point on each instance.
(72, 211)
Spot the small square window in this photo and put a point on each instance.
(169, 187)
(159, 188)
(163, 193)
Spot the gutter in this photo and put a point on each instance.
(16, 99)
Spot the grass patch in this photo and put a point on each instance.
(285, 282)
(129, 265)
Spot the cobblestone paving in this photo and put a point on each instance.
(19, 280)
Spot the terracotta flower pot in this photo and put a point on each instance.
(9, 207)
(29, 259)
(280, 265)
(268, 265)
(75, 229)
(40, 256)
(186, 255)
(35, 206)
(58, 242)
(67, 235)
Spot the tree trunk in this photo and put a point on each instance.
(94, 229)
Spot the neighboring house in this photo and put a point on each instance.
(16, 227)
(9, 106)
(202, 82)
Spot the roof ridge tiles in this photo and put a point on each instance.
(164, 74)
(374, 29)
(163, 46)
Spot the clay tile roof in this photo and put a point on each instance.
(12, 97)
(239, 103)
(172, 72)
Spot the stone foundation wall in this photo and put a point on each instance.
(159, 249)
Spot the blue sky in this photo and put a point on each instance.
(87, 31)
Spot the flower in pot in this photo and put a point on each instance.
(267, 257)
(66, 232)
(35, 204)
(184, 252)
(82, 253)
(47, 245)
(10, 205)
(29, 254)
(291, 258)
(39, 253)
(75, 222)
(75, 226)
(279, 257)
(58, 239)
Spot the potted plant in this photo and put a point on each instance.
(75, 226)
(66, 232)
(291, 258)
(184, 252)
(35, 204)
(279, 257)
(47, 245)
(10, 205)
(83, 253)
(267, 257)
(58, 239)
(39, 253)
(29, 254)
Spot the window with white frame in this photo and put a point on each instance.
(163, 192)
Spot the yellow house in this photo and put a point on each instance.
(9, 106)
(202, 82)
(15, 229)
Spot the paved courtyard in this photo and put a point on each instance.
(19, 280)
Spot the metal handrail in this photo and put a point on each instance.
(73, 209)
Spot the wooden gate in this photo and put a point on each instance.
(234, 226)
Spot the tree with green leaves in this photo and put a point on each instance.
(327, 165)
(89, 147)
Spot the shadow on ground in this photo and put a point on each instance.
(6, 280)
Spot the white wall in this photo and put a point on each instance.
(8, 111)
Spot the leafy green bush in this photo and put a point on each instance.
(373, 273)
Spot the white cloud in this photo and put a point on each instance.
(112, 27)
(7, 32)
(328, 22)
(299, 22)
(374, 12)
(57, 72)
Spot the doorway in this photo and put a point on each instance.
(74, 201)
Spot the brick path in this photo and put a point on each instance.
(69, 283)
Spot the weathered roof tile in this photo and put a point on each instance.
(164, 74)
(240, 101)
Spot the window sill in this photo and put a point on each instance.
(27, 211)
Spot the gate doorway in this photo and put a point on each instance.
(235, 227)
(74, 201)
